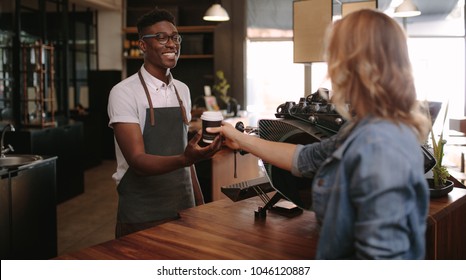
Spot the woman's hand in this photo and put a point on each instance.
(231, 136)
(277, 153)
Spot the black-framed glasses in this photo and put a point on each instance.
(163, 38)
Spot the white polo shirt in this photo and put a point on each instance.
(127, 103)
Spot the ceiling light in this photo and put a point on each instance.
(216, 13)
(406, 9)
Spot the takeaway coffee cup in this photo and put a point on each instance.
(210, 119)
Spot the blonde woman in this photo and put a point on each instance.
(370, 194)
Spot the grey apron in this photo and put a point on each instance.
(144, 199)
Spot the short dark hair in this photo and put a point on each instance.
(152, 17)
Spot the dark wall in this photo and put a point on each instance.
(100, 84)
(230, 53)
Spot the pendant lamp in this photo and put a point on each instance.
(406, 9)
(216, 13)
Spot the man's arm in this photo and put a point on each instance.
(131, 143)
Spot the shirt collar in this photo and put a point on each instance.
(152, 81)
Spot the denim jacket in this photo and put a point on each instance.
(370, 195)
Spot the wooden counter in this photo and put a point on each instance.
(446, 226)
(228, 230)
(220, 230)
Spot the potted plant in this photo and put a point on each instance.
(220, 89)
(439, 184)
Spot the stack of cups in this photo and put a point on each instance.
(210, 119)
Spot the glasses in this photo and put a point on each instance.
(162, 38)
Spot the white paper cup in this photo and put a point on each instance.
(210, 119)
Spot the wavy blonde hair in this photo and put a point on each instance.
(369, 66)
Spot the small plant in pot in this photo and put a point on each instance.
(220, 89)
(439, 184)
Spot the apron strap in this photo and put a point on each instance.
(183, 110)
(152, 118)
(151, 111)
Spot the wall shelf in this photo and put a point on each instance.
(196, 63)
(198, 56)
(6, 81)
(197, 42)
(181, 29)
(183, 56)
(38, 90)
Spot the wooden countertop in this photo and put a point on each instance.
(226, 230)
(446, 225)
(220, 230)
(441, 206)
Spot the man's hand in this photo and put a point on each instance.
(194, 153)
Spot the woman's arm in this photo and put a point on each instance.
(276, 153)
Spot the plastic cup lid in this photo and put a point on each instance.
(212, 116)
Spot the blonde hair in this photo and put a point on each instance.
(369, 66)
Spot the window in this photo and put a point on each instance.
(439, 75)
(437, 50)
(436, 44)
(272, 77)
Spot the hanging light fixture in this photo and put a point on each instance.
(216, 13)
(406, 9)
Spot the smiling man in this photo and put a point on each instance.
(149, 113)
